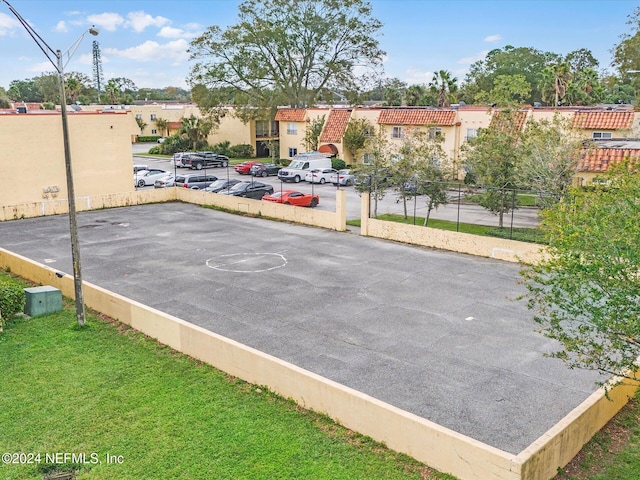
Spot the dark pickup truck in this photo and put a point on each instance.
(201, 160)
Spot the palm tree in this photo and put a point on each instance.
(555, 79)
(112, 90)
(195, 129)
(163, 124)
(445, 86)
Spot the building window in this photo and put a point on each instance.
(266, 128)
(367, 158)
(435, 132)
(138, 116)
(601, 136)
(471, 133)
(369, 131)
(154, 132)
(397, 132)
(154, 117)
(293, 152)
(396, 157)
(292, 128)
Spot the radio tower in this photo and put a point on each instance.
(98, 79)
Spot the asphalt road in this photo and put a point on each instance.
(435, 333)
(523, 217)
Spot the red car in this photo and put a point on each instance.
(245, 167)
(292, 197)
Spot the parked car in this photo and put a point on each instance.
(244, 168)
(142, 178)
(163, 182)
(320, 175)
(200, 160)
(255, 190)
(264, 169)
(343, 177)
(293, 197)
(195, 181)
(220, 185)
(176, 159)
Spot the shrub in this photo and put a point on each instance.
(338, 164)
(283, 161)
(174, 144)
(222, 148)
(241, 151)
(12, 298)
(148, 138)
(157, 150)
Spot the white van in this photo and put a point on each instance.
(302, 163)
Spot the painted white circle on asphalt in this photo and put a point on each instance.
(247, 262)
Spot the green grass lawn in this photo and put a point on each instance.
(522, 234)
(108, 390)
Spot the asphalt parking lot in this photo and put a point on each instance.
(523, 217)
(435, 333)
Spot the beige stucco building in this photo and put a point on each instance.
(33, 163)
(457, 125)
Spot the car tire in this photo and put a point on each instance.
(314, 203)
(265, 174)
(141, 183)
(322, 180)
(225, 164)
(348, 183)
(296, 179)
(198, 166)
(287, 203)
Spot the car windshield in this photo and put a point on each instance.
(239, 187)
(217, 184)
(296, 164)
(276, 195)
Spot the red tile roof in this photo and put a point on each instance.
(174, 125)
(519, 118)
(600, 159)
(417, 116)
(335, 126)
(603, 120)
(291, 114)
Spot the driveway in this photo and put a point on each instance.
(435, 333)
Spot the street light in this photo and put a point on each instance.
(57, 59)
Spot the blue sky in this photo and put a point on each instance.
(146, 40)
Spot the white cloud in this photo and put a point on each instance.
(171, 32)
(72, 13)
(414, 76)
(197, 27)
(108, 21)
(469, 60)
(151, 51)
(61, 26)
(41, 67)
(138, 21)
(7, 24)
(493, 38)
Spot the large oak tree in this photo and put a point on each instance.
(285, 52)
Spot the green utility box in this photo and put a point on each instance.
(42, 300)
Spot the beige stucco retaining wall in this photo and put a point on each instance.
(288, 213)
(491, 247)
(437, 446)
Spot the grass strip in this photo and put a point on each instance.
(110, 393)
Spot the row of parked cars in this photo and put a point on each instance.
(235, 187)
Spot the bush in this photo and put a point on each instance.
(148, 138)
(222, 148)
(174, 144)
(12, 298)
(157, 150)
(241, 151)
(338, 164)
